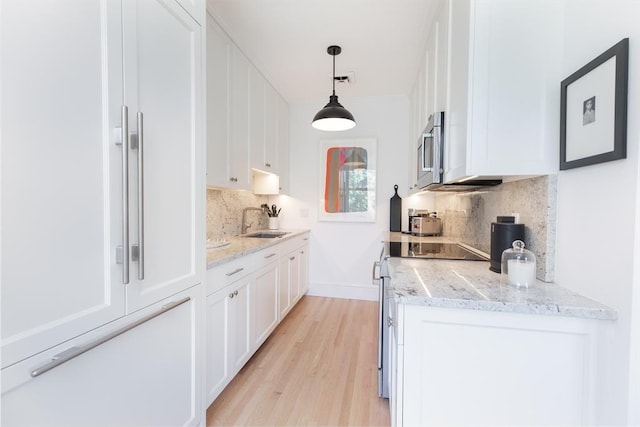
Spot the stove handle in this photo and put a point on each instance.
(376, 264)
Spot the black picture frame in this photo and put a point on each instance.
(583, 139)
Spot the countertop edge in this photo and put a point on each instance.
(218, 256)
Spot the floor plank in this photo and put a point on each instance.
(318, 368)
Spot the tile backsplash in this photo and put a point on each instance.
(224, 212)
(468, 216)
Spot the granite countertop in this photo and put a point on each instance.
(240, 246)
(471, 285)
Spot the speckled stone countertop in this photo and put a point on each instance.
(471, 285)
(240, 246)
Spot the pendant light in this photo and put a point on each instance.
(333, 117)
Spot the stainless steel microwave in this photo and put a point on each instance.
(430, 152)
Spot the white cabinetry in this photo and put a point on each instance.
(219, 171)
(247, 120)
(241, 312)
(163, 88)
(244, 306)
(145, 376)
(430, 90)
(74, 208)
(257, 86)
(294, 280)
(271, 99)
(282, 138)
(502, 368)
(240, 175)
(265, 291)
(63, 187)
(502, 112)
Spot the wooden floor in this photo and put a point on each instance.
(319, 367)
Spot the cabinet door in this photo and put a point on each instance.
(218, 59)
(455, 155)
(256, 118)
(284, 292)
(515, 97)
(271, 130)
(283, 144)
(146, 376)
(265, 302)
(60, 172)
(304, 270)
(239, 121)
(240, 317)
(442, 58)
(217, 344)
(162, 66)
(294, 275)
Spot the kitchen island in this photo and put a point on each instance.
(467, 348)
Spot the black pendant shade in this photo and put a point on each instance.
(333, 117)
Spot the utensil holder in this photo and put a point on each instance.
(273, 223)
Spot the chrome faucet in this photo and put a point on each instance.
(246, 225)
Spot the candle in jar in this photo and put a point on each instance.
(520, 272)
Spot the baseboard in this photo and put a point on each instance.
(360, 292)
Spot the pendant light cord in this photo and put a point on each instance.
(334, 74)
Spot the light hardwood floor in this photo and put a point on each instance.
(319, 367)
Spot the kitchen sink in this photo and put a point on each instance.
(266, 234)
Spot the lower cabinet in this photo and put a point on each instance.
(294, 274)
(462, 367)
(265, 292)
(228, 333)
(141, 372)
(243, 306)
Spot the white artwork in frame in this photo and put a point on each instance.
(347, 180)
(593, 110)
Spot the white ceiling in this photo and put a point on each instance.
(382, 43)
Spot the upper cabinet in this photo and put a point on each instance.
(282, 142)
(246, 117)
(496, 77)
(503, 98)
(430, 90)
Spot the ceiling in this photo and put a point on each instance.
(382, 43)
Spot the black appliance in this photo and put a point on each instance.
(433, 251)
(503, 233)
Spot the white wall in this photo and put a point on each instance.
(342, 253)
(598, 207)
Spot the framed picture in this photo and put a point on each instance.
(593, 110)
(348, 180)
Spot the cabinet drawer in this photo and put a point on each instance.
(220, 276)
(294, 243)
(266, 256)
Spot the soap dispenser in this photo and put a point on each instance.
(518, 265)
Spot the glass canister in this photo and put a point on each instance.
(519, 265)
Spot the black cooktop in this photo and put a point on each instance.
(432, 251)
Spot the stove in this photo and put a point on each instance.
(433, 251)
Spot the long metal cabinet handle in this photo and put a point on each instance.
(125, 194)
(74, 352)
(237, 270)
(437, 164)
(140, 197)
